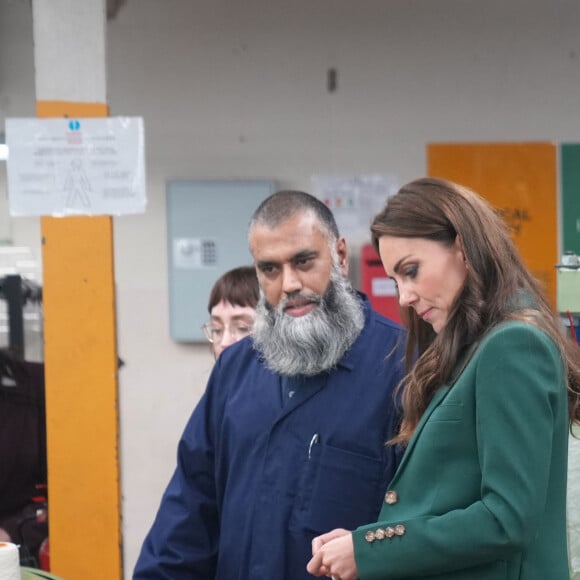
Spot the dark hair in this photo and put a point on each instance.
(285, 204)
(443, 211)
(239, 287)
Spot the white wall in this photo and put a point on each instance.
(238, 89)
(17, 99)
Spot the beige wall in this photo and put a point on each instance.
(238, 90)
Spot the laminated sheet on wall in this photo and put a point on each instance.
(520, 179)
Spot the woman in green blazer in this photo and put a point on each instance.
(480, 493)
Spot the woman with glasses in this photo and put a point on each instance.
(232, 308)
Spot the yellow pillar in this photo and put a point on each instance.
(81, 390)
(79, 311)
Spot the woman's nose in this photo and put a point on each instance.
(406, 296)
(229, 337)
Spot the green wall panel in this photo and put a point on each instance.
(570, 183)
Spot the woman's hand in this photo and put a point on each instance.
(333, 556)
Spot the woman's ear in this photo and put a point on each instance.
(461, 250)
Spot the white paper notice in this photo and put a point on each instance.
(354, 199)
(64, 167)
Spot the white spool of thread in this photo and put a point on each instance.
(9, 561)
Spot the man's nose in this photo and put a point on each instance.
(290, 281)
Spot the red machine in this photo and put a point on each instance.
(44, 556)
(380, 289)
(41, 501)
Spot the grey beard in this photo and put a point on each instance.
(313, 343)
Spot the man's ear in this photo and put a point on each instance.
(342, 255)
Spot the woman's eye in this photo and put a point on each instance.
(411, 271)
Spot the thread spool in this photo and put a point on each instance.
(9, 561)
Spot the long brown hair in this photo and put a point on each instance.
(441, 211)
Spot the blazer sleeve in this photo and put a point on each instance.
(183, 540)
(519, 391)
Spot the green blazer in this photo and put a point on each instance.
(481, 489)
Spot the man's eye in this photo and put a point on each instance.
(216, 331)
(243, 329)
(303, 261)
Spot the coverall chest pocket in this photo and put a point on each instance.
(339, 489)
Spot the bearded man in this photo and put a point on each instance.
(288, 440)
